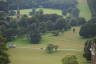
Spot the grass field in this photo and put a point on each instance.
(85, 11)
(32, 55)
(46, 11)
(71, 43)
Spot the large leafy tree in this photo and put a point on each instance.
(87, 53)
(88, 30)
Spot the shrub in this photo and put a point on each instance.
(88, 30)
(70, 59)
(35, 38)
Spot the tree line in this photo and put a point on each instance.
(4, 57)
(54, 4)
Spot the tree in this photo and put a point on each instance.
(12, 13)
(77, 21)
(71, 59)
(3, 54)
(74, 30)
(60, 24)
(35, 36)
(33, 12)
(75, 12)
(81, 21)
(87, 53)
(64, 12)
(55, 33)
(40, 12)
(88, 30)
(3, 5)
(52, 48)
(88, 49)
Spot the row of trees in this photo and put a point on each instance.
(34, 27)
(4, 58)
(61, 4)
(41, 23)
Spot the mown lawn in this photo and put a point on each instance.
(31, 55)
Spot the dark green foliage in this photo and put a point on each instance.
(64, 12)
(40, 12)
(81, 21)
(34, 33)
(87, 53)
(93, 20)
(8, 30)
(55, 33)
(51, 48)
(33, 27)
(88, 30)
(3, 15)
(70, 59)
(74, 22)
(3, 5)
(60, 24)
(74, 30)
(12, 13)
(87, 47)
(75, 12)
(77, 21)
(4, 58)
(33, 12)
(51, 22)
(56, 4)
(39, 24)
(35, 38)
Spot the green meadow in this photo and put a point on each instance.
(69, 43)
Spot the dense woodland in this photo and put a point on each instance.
(4, 57)
(57, 4)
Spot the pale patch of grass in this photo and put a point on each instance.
(46, 11)
(30, 56)
(84, 9)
